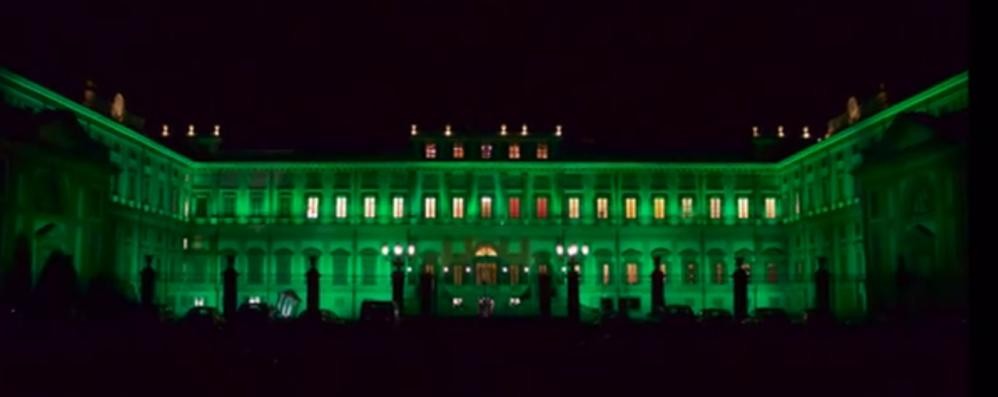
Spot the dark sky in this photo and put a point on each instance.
(279, 75)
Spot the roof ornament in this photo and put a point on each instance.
(413, 131)
(502, 130)
(557, 130)
(523, 132)
(447, 130)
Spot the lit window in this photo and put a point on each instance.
(573, 207)
(486, 207)
(797, 205)
(398, 207)
(458, 151)
(431, 150)
(542, 208)
(542, 151)
(687, 207)
(719, 276)
(370, 207)
(486, 151)
(187, 208)
(743, 208)
(457, 209)
(631, 208)
(632, 273)
(312, 211)
(659, 210)
(715, 208)
(690, 273)
(514, 151)
(601, 208)
(514, 208)
(185, 243)
(430, 207)
(770, 207)
(341, 207)
(606, 273)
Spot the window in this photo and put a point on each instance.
(368, 269)
(228, 204)
(370, 207)
(341, 207)
(459, 272)
(486, 151)
(542, 151)
(201, 206)
(256, 203)
(187, 208)
(601, 208)
(514, 151)
(772, 275)
(457, 207)
(719, 276)
(458, 150)
(770, 208)
(606, 273)
(632, 273)
(254, 267)
(340, 269)
(430, 207)
(514, 274)
(431, 150)
(743, 208)
(715, 208)
(573, 208)
(398, 207)
(283, 272)
(687, 203)
(284, 204)
(312, 212)
(486, 207)
(797, 205)
(514, 208)
(631, 208)
(659, 208)
(690, 273)
(542, 208)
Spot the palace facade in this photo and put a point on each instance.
(882, 190)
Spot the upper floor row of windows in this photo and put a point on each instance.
(486, 151)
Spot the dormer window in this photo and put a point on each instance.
(431, 150)
(486, 151)
(458, 150)
(542, 151)
(514, 151)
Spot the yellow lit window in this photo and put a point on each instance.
(687, 207)
(486, 207)
(457, 209)
(770, 207)
(312, 211)
(606, 273)
(715, 208)
(341, 207)
(601, 208)
(369, 207)
(743, 208)
(514, 151)
(573, 207)
(659, 210)
(632, 273)
(631, 208)
(398, 207)
(430, 207)
(542, 151)
(458, 151)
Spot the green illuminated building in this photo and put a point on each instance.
(885, 185)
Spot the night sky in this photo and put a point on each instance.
(277, 75)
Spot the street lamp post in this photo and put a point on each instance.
(398, 255)
(573, 252)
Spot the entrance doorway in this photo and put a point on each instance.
(485, 273)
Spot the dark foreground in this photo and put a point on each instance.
(480, 359)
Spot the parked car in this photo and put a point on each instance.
(716, 317)
(379, 312)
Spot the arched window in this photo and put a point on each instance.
(283, 270)
(690, 273)
(340, 265)
(254, 267)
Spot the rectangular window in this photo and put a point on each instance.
(340, 269)
(431, 150)
(687, 203)
(283, 273)
(458, 151)
(797, 205)
(368, 269)
(341, 207)
(715, 208)
(631, 208)
(602, 210)
(430, 207)
(486, 207)
(542, 208)
(256, 203)
(457, 207)
(312, 212)
(486, 151)
(632, 273)
(228, 204)
(370, 207)
(284, 205)
(659, 208)
(606, 273)
(770, 208)
(254, 268)
(573, 208)
(514, 208)
(542, 151)
(201, 206)
(398, 207)
(743, 208)
(514, 151)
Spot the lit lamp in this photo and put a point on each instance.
(398, 254)
(502, 130)
(573, 252)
